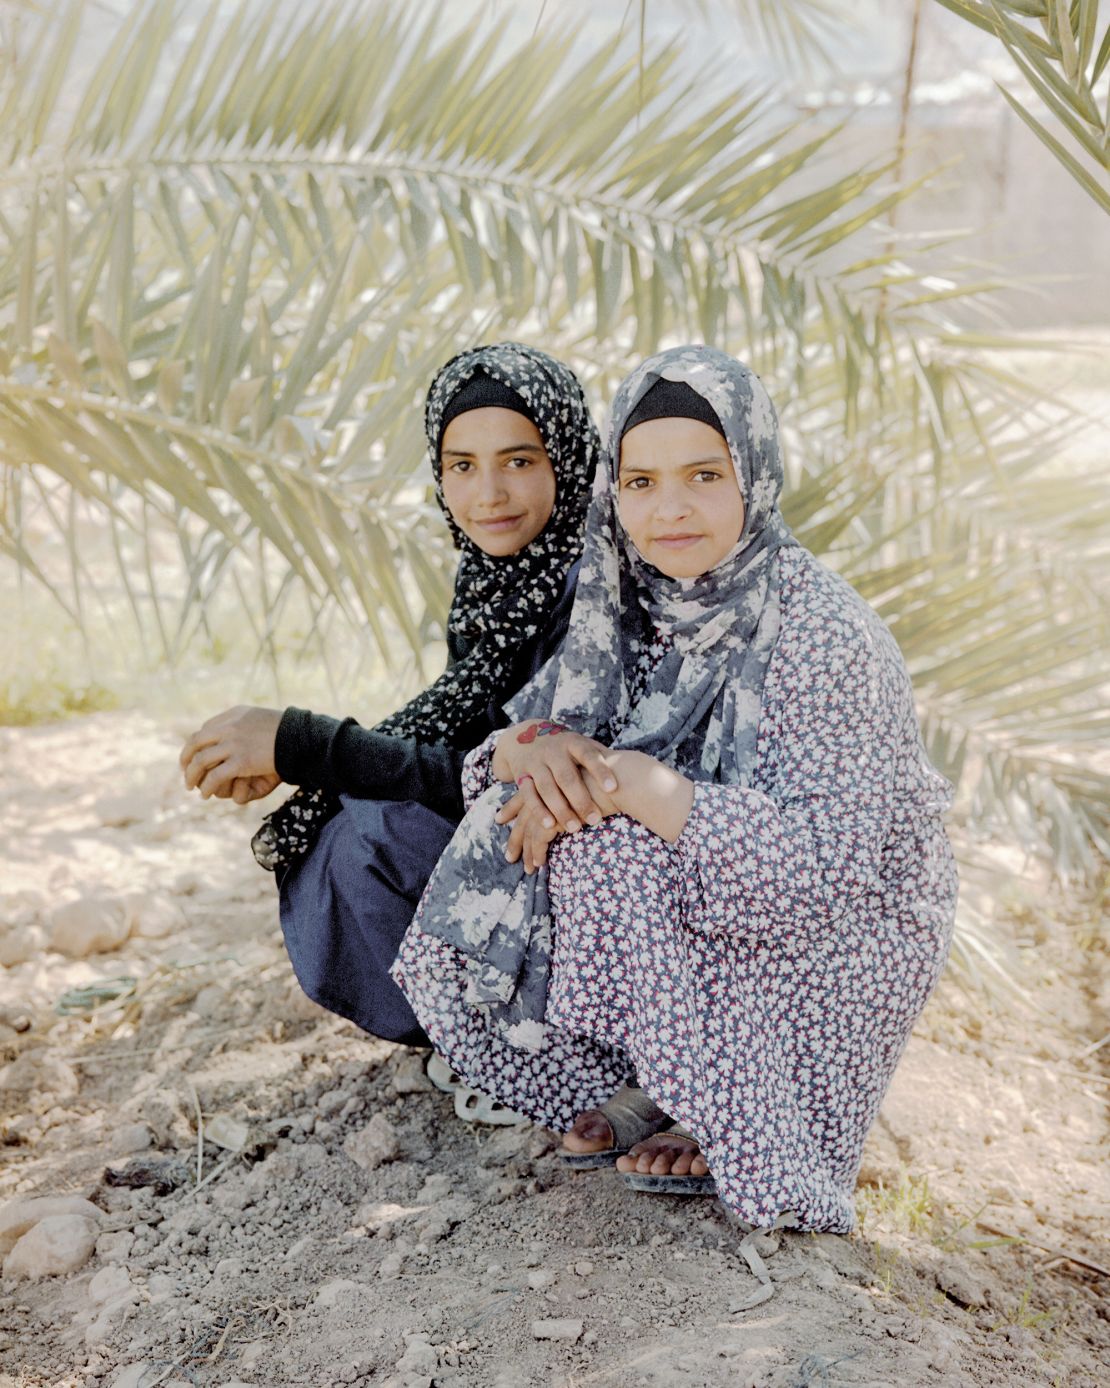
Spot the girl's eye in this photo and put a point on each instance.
(633, 484)
(708, 475)
(460, 465)
(520, 462)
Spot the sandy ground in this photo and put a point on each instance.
(438, 1257)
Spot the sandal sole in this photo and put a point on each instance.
(669, 1185)
(592, 1161)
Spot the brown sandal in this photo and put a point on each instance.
(631, 1116)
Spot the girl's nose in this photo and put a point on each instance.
(491, 488)
(672, 502)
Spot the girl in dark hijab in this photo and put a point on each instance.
(744, 941)
(513, 450)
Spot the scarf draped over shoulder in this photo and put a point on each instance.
(698, 710)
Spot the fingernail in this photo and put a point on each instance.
(573, 826)
(549, 823)
(610, 784)
(593, 819)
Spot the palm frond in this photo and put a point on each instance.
(231, 260)
(1056, 47)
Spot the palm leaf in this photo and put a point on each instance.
(226, 281)
(1055, 47)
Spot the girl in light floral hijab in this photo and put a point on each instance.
(742, 932)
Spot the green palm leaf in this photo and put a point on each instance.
(1056, 48)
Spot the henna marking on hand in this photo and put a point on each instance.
(544, 728)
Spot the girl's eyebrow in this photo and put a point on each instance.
(696, 462)
(501, 452)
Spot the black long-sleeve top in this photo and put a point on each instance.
(340, 756)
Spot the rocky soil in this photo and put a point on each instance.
(346, 1228)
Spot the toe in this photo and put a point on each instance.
(682, 1161)
(661, 1166)
(699, 1166)
(591, 1133)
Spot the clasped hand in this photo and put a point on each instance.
(232, 755)
(564, 781)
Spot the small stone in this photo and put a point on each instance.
(161, 1286)
(329, 1104)
(115, 1247)
(583, 1268)
(409, 1076)
(132, 1375)
(590, 1337)
(390, 1265)
(232, 1134)
(210, 1001)
(131, 1137)
(541, 1278)
(330, 1292)
(54, 1247)
(435, 1188)
(18, 1216)
(374, 1144)
(36, 1068)
(419, 1358)
(89, 925)
(109, 1283)
(21, 944)
(153, 916)
(437, 1222)
(962, 1285)
(564, 1329)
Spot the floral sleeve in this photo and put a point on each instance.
(478, 768)
(791, 859)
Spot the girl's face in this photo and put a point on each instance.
(498, 482)
(677, 495)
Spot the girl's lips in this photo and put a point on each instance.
(677, 541)
(500, 522)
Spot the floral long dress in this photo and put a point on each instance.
(762, 974)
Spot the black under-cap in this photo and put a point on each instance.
(673, 400)
(479, 393)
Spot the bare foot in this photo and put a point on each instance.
(591, 1133)
(664, 1154)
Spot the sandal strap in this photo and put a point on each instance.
(632, 1116)
(677, 1130)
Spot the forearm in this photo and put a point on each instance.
(659, 797)
(339, 756)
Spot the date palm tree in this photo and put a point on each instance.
(1056, 46)
(232, 254)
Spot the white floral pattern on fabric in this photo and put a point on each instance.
(762, 974)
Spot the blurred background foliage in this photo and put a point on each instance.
(236, 240)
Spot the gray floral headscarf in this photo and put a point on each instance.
(698, 712)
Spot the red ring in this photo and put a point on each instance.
(521, 779)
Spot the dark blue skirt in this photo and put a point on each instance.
(346, 906)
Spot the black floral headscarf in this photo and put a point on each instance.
(500, 602)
